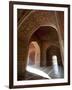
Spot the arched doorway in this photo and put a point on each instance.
(54, 61)
(33, 54)
(53, 51)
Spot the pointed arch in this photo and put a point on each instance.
(34, 54)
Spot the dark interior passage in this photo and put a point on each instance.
(51, 51)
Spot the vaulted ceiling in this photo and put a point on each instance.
(46, 33)
(23, 13)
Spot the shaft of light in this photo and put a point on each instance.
(55, 64)
(37, 71)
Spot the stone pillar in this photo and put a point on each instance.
(43, 55)
(22, 58)
(60, 39)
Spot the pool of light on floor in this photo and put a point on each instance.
(37, 72)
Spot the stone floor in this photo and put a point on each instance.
(54, 72)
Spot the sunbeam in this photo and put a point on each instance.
(37, 71)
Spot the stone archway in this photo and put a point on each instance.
(53, 51)
(34, 54)
(44, 36)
